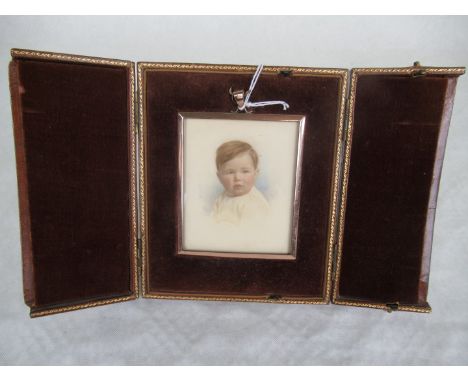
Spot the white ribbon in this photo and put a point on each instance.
(248, 104)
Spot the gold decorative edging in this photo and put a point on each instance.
(336, 183)
(347, 160)
(142, 180)
(411, 70)
(48, 312)
(344, 187)
(403, 308)
(237, 299)
(200, 68)
(133, 180)
(23, 53)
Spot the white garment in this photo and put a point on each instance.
(249, 208)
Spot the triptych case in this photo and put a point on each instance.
(116, 170)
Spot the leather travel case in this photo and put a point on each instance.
(98, 149)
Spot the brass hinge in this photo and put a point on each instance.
(274, 297)
(346, 121)
(334, 260)
(392, 306)
(137, 124)
(420, 72)
(343, 141)
(137, 130)
(285, 73)
(139, 252)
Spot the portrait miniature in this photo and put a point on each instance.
(238, 184)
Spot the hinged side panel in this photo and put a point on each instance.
(75, 140)
(23, 200)
(398, 123)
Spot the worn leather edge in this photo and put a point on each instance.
(23, 192)
(436, 176)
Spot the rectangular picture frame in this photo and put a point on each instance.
(300, 120)
(167, 275)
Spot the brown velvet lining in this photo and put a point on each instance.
(169, 92)
(72, 143)
(399, 130)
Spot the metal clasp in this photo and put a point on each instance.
(392, 306)
(418, 73)
(238, 96)
(274, 297)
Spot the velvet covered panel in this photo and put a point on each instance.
(398, 138)
(168, 92)
(72, 127)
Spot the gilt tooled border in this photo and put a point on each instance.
(48, 312)
(336, 185)
(61, 57)
(133, 180)
(403, 308)
(345, 177)
(201, 68)
(342, 74)
(142, 181)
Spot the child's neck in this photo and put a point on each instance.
(238, 196)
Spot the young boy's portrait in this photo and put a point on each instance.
(237, 170)
(238, 184)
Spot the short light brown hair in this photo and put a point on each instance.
(231, 149)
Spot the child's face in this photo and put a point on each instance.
(238, 175)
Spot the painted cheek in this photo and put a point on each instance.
(252, 179)
(225, 181)
(230, 182)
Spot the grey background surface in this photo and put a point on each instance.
(181, 332)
